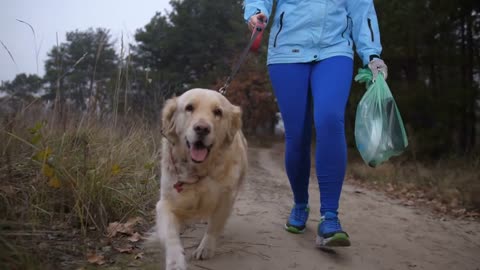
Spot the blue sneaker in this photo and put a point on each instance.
(298, 218)
(330, 233)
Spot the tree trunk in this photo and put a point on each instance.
(470, 79)
(464, 83)
(475, 29)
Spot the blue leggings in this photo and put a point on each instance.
(327, 83)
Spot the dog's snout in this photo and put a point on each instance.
(201, 129)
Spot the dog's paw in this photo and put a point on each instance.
(206, 249)
(177, 264)
(176, 261)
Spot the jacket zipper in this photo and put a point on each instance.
(370, 27)
(279, 29)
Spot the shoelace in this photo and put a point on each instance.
(331, 224)
(299, 214)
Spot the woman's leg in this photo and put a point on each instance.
(291, 84)
(330, 82)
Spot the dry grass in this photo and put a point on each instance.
(451, 184)
(80, 174)
(65, 175)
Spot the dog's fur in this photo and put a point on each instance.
(210, 185)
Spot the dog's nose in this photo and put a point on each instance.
(202, 129)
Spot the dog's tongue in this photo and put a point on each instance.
(198, 153)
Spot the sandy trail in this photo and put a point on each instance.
(384, 233)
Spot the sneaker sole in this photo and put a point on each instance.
(294, 230)
(338, 240)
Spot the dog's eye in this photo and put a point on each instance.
(218, 112)
(189, 108)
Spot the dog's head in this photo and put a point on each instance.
(202, 121)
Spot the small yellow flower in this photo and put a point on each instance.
(36, 128)
(47, 170)
(115, 169)
(54, 182)
(43, 155)
(149, 165)
(36, 138)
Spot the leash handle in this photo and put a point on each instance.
(259, 27)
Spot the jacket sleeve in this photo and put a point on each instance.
(253, 7)
(366, 34)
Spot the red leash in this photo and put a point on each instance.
(253, 45)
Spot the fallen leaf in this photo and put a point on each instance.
(454, 203)
(106, 248)
(133, 221)
(441, 208)
(135, 237)
(124, 228)
(125, 249)
(409, 203)
(139, 256)
(410, 195)
(114, 228)
(459, 212)
(473, 214)
(390, 188)
(96, 259)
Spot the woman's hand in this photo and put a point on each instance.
(254, 20)
(377, 65)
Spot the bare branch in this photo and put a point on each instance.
(9, 53)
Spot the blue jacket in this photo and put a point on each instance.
(311, 30)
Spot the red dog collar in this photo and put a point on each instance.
(178, 186)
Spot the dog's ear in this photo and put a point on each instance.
(168, 113)
(235, 123)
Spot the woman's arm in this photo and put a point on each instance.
(366, 34)
(253, 7)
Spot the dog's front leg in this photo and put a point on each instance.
(168, 229)
(216, 224)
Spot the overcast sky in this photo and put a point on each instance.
(60, 16)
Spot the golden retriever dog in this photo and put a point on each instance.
(203, 163)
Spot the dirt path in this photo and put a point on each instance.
(385, 234)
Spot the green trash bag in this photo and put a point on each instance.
(379, 130)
